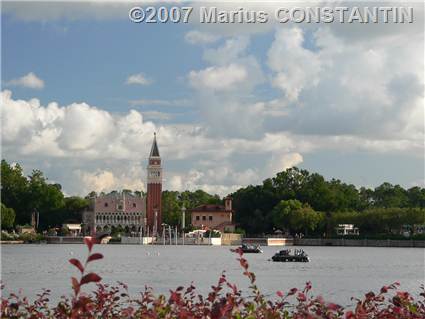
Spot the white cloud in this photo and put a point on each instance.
(29, 80)
(86, 148)
(77, 129)
(280, 162)
(232, 49)
(106, 180)
(219, 78)
(195, 179)
(296, 68)
(156, 115)
(224, 90)
(198, 37)
(139, 79)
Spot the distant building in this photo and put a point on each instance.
(26, 229)
(131, 212)
(411, 230)
(117, 209)
(347, 230)
(216, 217)
(73, 228)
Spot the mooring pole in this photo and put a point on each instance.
(171, 237)
(163, 235)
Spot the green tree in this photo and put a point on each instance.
(46, 198)
(289, 183)
(91, 195)
(388, 195)
(71, 211)
(416, 197)
(7, 217)
(292, 215)
(284, 212)
(171, 208)
(14, 191)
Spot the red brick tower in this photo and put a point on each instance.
(153, 202)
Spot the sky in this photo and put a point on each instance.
(84, 89)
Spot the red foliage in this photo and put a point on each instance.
(224, 301)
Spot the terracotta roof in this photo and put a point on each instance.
(210, 208)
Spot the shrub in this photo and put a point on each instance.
(223, 301)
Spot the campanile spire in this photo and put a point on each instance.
(154, 189)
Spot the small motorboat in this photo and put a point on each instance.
(286, 255)
(251, 249)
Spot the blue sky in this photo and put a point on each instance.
(232, 105)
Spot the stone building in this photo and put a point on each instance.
(217, 217)
(129, 212)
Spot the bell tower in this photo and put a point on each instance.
(154, 189)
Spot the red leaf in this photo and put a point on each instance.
(75, 285)
(95, 256)
(89, 241)
(91, 277)
(333, 306)
(301, 297)
(77, 264)
(292, 291)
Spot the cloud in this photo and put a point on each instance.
(86, 148)
(219, 78)
(77, 129)
(198, 37)
(296, 67)
(324, 93)
(280, 162)
(232, 49)
(341, 88)
(224, 90)
(196, 179)
(156, 115)
(29, 80)
(106, 180)
(139, 79)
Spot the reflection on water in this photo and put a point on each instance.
(337, 273)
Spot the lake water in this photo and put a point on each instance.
(337, 273)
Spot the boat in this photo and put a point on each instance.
(251, 249)
(286, 255)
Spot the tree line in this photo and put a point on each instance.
(295, 201)
(298, 201)
(22, 195)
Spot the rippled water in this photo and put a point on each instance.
(337, 273)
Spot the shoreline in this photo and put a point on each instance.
(341, 242)
(275, 242)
